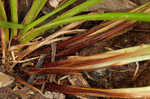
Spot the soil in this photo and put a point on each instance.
(116, 77)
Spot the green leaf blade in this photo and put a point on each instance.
(14, 15)
(34, 11)
(4, 24)
(82, 7)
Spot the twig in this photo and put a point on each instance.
(26, 60)
(136, 71)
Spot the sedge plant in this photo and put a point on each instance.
(29, 22)
(30, 29)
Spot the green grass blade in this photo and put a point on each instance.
(43, 18)
(4, 24)
(34, 11)
(3, 17)
(78, 9)
(106, 16)
(14, 15)
(2, 12)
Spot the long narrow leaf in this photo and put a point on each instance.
(2, 12)
(140, 92)
(4, 24)
(34, 11)
(78, 9)
(105, 60)
(106, 16)
(14, 15)
(3, 17)
(43, 18)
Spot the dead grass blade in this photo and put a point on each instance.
(71, 26)
(141, 92)
(19, 46)
(48, 40)
(33, 71)
(99, 61)
(89, 41)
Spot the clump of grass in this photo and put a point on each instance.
(27, 33)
